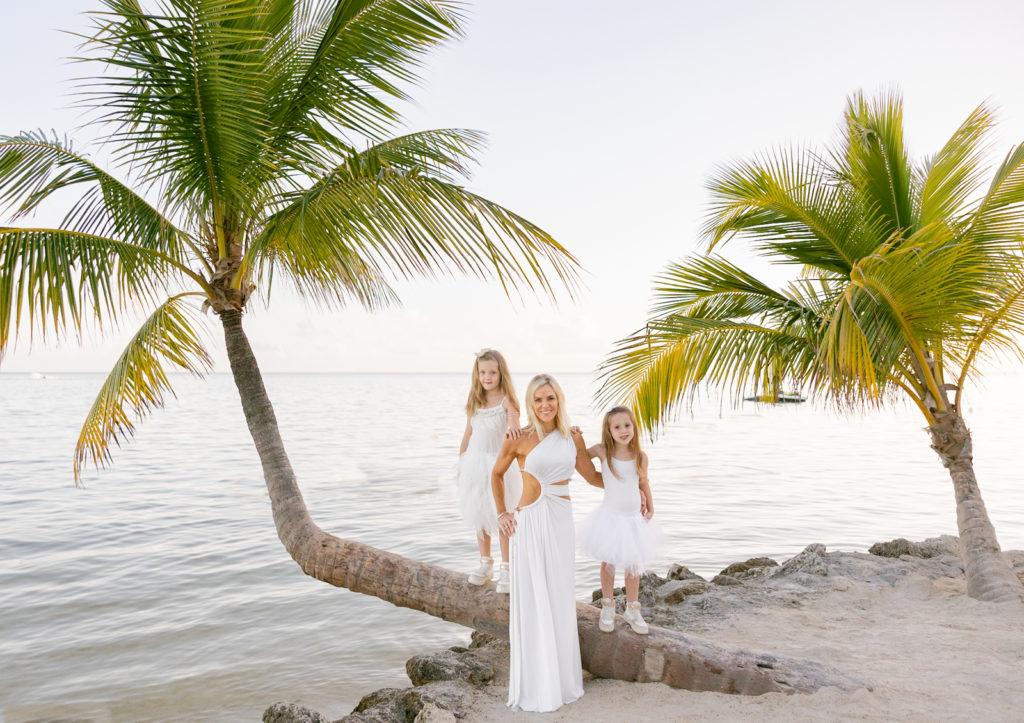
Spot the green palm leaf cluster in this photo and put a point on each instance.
(909, 273)
(258, 137)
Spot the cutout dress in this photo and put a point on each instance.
(544, 667)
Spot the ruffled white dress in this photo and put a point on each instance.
(616, 532)
(544, 666)
(473, 479)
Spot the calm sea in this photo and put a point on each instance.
(160, 591)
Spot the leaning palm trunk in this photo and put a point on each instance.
(667, 656)
(989, 577)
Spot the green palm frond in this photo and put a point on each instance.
(33, 167)
(954, 176)
(381, 211)
(788, 204)
(344, 59)
(60, 279)
(876, 163)
(185, 93)
(138, 381)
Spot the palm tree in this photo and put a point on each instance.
(239, 121)
(910, 275)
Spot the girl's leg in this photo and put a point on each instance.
(503, 544)
(483, 541)
(632, 587)
(632, 615)
(608, 581)
(606, 623)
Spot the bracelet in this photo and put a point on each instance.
(506, 512)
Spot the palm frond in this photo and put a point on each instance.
(384, 209)
(955, 174)
(33, 167)
(877, 162)
(60, 279)
(185, 92)
(788, 204)
(139, 379)
(343, 61)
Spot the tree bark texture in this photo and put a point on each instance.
(989, 576)
(679, 660)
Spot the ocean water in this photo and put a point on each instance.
(160, 592)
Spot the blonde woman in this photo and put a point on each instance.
(544, 668)
(492, 414)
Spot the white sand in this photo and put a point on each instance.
(931, 653)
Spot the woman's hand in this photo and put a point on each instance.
(507, 523)
(575, 431)
(513, 433)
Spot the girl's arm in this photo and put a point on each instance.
(512, 419)
(465, 437)
(507, 455)
(646, 500)
(584, 463)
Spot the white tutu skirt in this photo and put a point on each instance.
(627, 541)
(544, 661)
(473, 487)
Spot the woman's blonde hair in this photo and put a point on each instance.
(561, 417)
(608, 442)
(477, 394)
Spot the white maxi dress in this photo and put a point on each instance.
(544, 668)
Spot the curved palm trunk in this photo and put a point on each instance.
(678, 660)
(989, 577)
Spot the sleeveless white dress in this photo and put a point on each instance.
(544, 666)
(473, 479)
(616, 532)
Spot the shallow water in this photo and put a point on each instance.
(160, 591)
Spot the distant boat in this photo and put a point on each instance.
(37, 375)
(780, 398)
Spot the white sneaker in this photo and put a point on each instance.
(606, 623)
(635, 619)
(504, 579)
(483, 573)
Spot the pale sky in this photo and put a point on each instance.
(605, 120)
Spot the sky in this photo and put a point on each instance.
(605, 121)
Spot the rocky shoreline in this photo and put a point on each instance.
(451, 685)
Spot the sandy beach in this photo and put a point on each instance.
(904, 625)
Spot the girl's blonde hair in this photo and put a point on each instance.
(477, 394)
(608, 442)
(561, 417)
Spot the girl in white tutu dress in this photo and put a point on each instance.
(492, 414)
(619, 532)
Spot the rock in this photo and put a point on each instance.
(448, 665)
(378, 697)
(675, 591)
(809, 562)
(430, 713)
(282, 712)
(481, 640)
(449, 695)
(681, 572)
(754, 563)
(932, 547)
(725, 580)
(377, 714)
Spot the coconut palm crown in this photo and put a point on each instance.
(909, 275)
(256, 133)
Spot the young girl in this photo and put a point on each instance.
(492, 414)
(619, 533)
